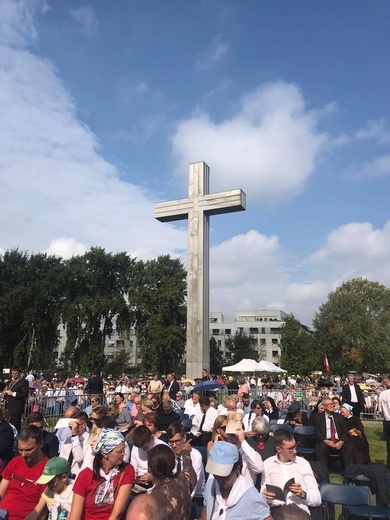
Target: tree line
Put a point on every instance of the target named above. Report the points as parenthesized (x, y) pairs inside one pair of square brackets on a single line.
[(90, 295)]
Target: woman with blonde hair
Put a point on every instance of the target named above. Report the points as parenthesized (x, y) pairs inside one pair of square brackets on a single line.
[(218, 432)]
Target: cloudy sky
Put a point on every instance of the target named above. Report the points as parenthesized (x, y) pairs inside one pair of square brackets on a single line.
[(104, 104)]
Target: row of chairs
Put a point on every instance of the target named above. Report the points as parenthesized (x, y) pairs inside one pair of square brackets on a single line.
[(355, 501)]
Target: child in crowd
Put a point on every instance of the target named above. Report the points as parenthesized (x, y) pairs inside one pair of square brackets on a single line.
[(57, 497)]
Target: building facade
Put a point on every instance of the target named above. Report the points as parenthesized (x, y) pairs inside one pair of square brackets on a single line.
[(264, 325)]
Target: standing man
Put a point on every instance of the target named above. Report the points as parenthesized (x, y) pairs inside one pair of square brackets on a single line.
[(155, 386), (205, 376), (16, 394), (384, 410), (95, 384), (172, 385), (352, 394), (19, 489)]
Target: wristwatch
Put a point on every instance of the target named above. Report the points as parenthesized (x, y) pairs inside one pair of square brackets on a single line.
[(304, 495)]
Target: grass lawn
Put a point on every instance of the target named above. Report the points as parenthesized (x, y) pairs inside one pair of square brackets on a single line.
[(377, 453)]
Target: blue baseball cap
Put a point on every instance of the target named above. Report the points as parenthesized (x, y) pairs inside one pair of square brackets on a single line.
[(223, 456)]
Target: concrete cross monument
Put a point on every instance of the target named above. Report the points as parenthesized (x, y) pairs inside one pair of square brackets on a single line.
[(197, 208)]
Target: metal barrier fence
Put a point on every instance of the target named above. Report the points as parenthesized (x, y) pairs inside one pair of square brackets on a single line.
[(53, 407)]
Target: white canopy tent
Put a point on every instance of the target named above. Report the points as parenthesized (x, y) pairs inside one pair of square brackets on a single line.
[(250, 365), (267, 366), (245, 365)]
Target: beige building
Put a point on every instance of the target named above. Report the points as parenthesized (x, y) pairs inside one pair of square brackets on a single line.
[(264, 326)]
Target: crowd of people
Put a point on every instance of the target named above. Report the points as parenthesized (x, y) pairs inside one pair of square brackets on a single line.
[(165, 450)]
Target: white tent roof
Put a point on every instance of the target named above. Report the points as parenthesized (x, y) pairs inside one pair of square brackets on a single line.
[(250, 365), (267, 366), (245, 365)]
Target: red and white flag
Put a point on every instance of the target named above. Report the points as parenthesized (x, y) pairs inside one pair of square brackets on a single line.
[(326, 363)]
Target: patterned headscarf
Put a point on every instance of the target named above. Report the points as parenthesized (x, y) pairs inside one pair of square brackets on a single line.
[(108, 440)]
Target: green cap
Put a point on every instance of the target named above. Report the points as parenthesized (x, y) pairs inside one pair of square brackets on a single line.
[(55, 466)]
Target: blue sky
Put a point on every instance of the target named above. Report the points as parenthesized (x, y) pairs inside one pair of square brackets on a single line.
[(104, 104)]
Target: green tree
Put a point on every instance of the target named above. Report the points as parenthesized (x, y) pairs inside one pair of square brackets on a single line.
[(217, 359), (96, 299), (158, 309), (31, 288), (353, 327), (242, 346), (297, 353)]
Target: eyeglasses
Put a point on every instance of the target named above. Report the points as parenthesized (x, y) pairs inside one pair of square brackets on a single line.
[(222, 428), (174, 442), (291, 449)]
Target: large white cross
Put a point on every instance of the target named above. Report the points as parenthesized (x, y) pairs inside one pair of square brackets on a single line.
[(197, 208)]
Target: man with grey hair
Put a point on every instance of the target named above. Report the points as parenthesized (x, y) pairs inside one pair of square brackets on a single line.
[(167, 416)]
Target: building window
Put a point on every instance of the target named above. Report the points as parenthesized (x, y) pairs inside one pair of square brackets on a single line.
[(228, 331), (215, 332), (275, 331), (263, 353), (275, 354), (263, 342), (228, 355), (254, 330), (274, 341), (263, 330), (214, 320), (219, 343)]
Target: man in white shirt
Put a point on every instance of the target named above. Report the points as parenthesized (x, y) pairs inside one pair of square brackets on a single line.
[(203, 423), (144, 441), (384, 410), (177, 439), (285, 465), (75, 446), (191, 406)]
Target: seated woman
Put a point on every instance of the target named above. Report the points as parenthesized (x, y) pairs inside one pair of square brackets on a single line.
[(172, 491), (152, 422), (295, 416), (218, 432), (257, 410), (123, 419), (229, 494), (357, 437), (103, 492)]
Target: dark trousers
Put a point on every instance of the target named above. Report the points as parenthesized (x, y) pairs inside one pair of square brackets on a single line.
[(323, 451), (16, 420), (202, 440)]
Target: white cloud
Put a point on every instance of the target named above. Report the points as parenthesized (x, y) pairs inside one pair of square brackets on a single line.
[(213, 55), (248, 271), (377, 129), (86, 17), (53, 181), (17, 21), (66, 247), (378, 167), (269, 148)]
